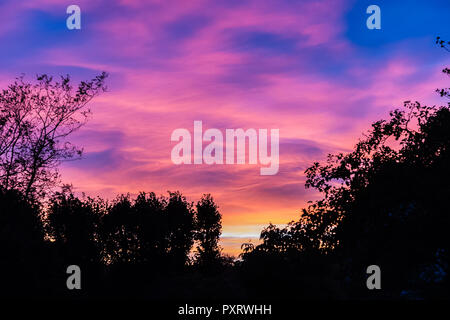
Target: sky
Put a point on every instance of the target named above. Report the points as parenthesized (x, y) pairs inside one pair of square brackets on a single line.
[(311, 69)]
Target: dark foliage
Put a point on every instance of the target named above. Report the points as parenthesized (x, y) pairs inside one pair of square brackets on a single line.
[(208, 231), (385, 203), (35, 121)]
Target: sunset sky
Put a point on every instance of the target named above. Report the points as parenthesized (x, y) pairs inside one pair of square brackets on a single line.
[(311, 69)]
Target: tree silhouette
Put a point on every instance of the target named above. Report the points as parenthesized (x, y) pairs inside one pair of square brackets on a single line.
[(148, 230), (180, 216), (445, 92), (117, 232), (35, 121), (24, 254), (73, 226), (208, 231), (384, 203), (153, 228)]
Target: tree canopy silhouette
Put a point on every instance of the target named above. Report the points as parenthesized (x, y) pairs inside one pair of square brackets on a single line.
[(384, 203), (208, 231), (35, 122)]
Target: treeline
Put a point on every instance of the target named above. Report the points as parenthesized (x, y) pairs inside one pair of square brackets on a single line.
[(384, 204), (160, 231), (142, 239), (120, 246)]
